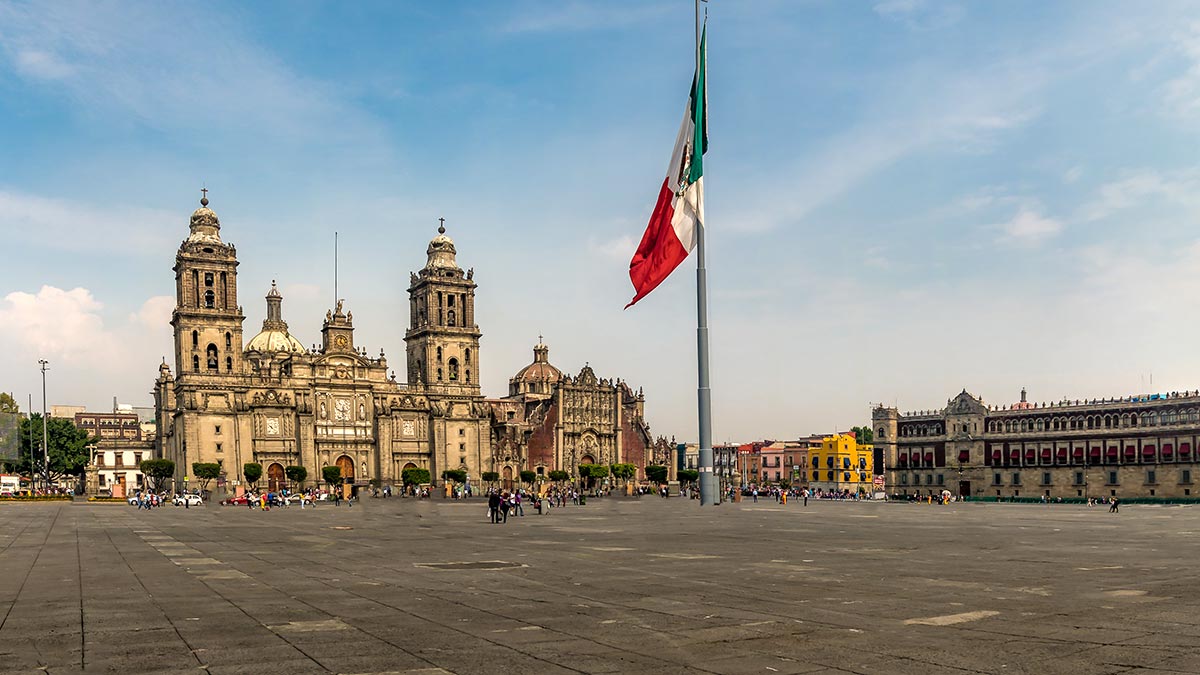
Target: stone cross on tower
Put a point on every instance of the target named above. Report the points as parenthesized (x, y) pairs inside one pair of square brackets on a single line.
[(441, 226)]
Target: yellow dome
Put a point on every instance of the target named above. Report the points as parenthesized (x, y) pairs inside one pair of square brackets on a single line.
[(271, 341)]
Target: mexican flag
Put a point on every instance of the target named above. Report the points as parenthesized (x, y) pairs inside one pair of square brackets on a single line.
[(671, 234)]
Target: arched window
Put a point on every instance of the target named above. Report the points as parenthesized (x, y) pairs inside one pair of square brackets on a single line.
[(211, 354), (453, 370), (467, 356), (468, 374), (195, 339), (450, 317), (229, 364), (209, 299), (439, 354), (228, 341), (439, 375), (195, 364)]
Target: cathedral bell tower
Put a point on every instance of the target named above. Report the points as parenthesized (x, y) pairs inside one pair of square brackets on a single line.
[(442, 339), (207, 319)]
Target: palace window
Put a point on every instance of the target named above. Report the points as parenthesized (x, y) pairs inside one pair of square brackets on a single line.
[(1185, 476), (941, 479), (1045, 478), (1150, 477), (1016, 479), (1112, 477), (904, 479)]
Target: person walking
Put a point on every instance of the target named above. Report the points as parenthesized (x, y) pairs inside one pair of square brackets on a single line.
[(494, 507), (1116, 505), (520, 509)]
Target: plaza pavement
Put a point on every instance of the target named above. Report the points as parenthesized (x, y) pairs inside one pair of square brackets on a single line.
[(622, 585)]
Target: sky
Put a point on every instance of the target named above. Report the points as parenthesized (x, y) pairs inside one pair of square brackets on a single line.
[(905, 198)]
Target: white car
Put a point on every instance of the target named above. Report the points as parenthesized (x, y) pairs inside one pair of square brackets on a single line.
[(188, 500), (133, 500)]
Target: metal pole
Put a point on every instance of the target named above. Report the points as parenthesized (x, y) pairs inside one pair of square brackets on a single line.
[(703, 390), (45, 431)]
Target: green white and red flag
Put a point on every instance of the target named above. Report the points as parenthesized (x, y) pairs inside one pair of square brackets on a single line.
[(671, 233)]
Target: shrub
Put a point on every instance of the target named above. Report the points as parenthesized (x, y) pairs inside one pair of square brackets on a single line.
[(688, 475), (656, 473), (414, 475), (490, 476), (456, 475), (528, 476), (559, 475)]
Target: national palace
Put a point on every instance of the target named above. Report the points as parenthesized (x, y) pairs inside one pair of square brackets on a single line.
[(1133, 446), (272, 401)]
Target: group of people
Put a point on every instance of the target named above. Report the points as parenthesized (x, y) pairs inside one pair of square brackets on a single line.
[(502, 502)]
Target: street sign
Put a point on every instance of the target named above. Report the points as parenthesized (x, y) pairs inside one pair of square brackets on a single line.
[(878, 481)]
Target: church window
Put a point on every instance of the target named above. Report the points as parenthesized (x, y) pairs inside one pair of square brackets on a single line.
[(195, 339), (208, 279), (468, 374), (439, 375), (195, 364), (449, 300), (450, 316), (228, 341), (467, 356), (229, 364), (209, 299), (211, 353), (439, 354), (453, 370)]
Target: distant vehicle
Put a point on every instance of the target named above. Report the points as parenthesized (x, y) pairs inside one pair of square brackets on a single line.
[(188, 500), (133, 500), (235, 501)]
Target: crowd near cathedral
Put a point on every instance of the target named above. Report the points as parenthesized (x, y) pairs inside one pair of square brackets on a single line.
[(270, 400)]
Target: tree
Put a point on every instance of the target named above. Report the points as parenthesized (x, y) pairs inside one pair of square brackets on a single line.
[(69, 447), (414, 475), (332, 475), (624, 471), (8, 404), (863, 435), (591, 472), (456, 475), (205, 472), (490, 476), (159, 471), (528, 477), (559, 475), (688, 475), (295, 474), (656, 473), (252, 471)]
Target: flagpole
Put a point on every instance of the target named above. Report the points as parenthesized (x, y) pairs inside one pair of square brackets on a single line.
[(703, 391)]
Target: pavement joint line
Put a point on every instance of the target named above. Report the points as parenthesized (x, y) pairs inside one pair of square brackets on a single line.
[(29, 571)]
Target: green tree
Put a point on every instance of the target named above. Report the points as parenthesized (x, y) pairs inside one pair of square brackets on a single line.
[(528, 477), (252, 472), (69, 447), (159, 471), (332, 476), (558, 475), (205, 472), (296, 474), (863, 435), (490, 476), (8, 404), (414, 475), (657, 474), (456, 475), (688, 475), (592, 472), (624, 471)]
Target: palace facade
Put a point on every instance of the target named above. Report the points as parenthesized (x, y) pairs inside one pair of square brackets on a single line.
[(274, 402), (1135, 446)]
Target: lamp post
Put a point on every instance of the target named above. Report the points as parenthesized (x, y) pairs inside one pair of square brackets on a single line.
[(45, 431)]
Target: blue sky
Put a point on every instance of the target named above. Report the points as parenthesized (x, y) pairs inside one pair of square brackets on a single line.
[(905, 197)]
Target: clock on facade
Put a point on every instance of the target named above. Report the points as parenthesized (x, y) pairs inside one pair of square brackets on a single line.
[(341, 410), (341, 342), (273, 425)]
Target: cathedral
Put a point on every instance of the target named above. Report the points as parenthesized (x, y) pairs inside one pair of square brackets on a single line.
[(274, 402)]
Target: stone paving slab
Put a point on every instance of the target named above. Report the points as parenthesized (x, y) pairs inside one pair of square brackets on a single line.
[(619, 586)]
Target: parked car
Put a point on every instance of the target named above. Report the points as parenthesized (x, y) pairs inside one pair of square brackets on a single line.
[(187, 500), (133, 500)]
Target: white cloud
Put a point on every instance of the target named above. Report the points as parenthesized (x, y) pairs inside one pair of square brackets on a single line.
[(41, 64), (56, 324), (79, 226), (920, 14), (1073, 174), (1137, 187), (1030, 227), (1182, 93), (619, 249), (155, 313)]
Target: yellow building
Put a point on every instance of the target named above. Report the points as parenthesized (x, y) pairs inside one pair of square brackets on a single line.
[(841, 463)]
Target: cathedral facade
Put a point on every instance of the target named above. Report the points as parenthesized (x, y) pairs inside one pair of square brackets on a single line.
[(274, 402)]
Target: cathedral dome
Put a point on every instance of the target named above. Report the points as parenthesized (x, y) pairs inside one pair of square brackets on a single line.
[(538, 376), (271, 341), (205, 225)]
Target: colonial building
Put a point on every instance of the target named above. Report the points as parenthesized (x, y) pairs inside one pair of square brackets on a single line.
[(1130, 447), (274, 402), (841, 464), (116, 458)]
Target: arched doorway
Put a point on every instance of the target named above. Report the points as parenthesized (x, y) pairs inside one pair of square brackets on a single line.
[(347, 466), (507, 476), (587, 459), (275, 477)]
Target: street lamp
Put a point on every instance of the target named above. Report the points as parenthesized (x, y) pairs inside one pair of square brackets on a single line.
[(45, 431)]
